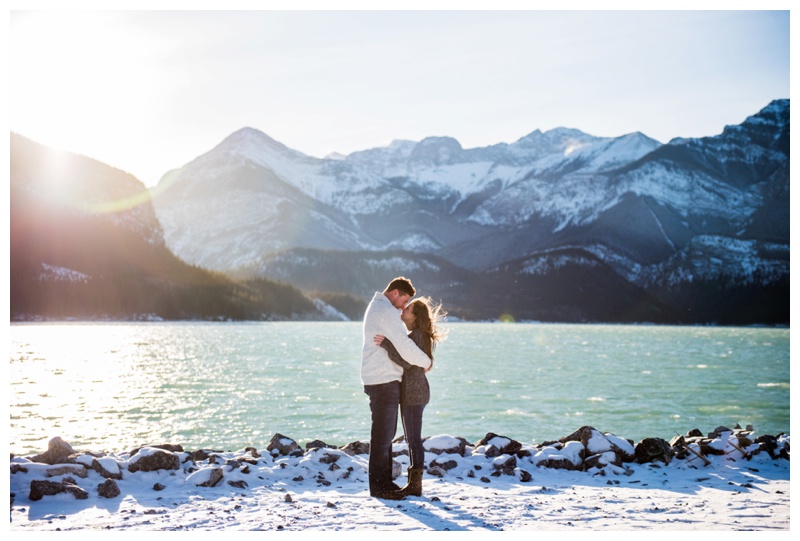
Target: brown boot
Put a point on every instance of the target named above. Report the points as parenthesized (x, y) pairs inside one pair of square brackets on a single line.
[(389, 494), (414, 486)]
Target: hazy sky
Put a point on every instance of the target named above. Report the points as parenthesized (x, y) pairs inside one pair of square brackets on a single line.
[(148, 91)]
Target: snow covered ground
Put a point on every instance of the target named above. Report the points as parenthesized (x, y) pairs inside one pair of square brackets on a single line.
[(285, 488)]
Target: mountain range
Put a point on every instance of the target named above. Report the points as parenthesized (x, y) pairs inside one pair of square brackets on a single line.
[(86, 244), (557, 226)]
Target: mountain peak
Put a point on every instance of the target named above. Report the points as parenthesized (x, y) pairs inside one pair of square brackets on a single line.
[(256, 145), (437, 150), (555, 136), (775, 113), (252, 136)]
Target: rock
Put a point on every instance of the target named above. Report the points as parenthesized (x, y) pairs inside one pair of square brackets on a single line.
[(108, 489), (172, 448), (523, 476), (282, 445), (769, 444), (446, 445), (152, 459), (602, 459), (322, 481), (583, 435), (158, 487), (557, 463), (744, 441), (214, 477), (67, 469), (238, 461), (40, 488), (317, 444), (199, 455), (356, 448), (241, 483), (597, 443), (328, 458), (499, 445), (505, 464), (651, 449), (707, 449), (717, 432), (446, 465), (58, 451), (105, 467)]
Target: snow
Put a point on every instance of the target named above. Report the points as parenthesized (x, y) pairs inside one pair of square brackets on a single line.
[(564, 178), (414, 243), (329, 311), (327, 489), (54, 273)]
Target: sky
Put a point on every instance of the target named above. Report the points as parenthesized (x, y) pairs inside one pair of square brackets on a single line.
[(149, 91)]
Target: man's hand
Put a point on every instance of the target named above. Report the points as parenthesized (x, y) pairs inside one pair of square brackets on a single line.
[(378, 339)]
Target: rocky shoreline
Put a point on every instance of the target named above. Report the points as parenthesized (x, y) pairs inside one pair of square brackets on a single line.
[(62, 469)]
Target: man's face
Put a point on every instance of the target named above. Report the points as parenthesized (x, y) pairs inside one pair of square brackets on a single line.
[(399, 300)]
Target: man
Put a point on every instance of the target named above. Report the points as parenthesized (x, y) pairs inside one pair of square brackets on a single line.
[(381, 379)]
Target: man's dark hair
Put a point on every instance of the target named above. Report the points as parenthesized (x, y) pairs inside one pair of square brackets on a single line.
[(403, 285)]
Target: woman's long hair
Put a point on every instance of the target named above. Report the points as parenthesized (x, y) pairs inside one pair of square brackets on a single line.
[(427, 317)]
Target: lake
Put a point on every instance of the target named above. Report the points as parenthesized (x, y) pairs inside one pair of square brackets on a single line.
[(116, 386)]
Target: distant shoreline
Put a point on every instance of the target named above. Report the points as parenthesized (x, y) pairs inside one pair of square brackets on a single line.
[(34, 320)]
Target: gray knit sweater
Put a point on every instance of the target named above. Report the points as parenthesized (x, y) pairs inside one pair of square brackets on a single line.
[(414, 387), (384, 319)]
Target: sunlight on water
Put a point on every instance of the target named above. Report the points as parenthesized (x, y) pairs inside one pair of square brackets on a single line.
[(232, 385)]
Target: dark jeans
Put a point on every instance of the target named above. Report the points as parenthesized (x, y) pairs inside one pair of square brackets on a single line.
[(412, 426), (384, 401)]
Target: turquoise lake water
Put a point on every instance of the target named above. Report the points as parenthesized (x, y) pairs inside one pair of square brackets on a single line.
[(115, 386)]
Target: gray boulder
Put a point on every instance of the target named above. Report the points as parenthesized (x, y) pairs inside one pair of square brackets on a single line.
[(282, 445), (41, 488), (108, 489), (497, 445), (652, 449), (356, 448), (58, 451), (434, 445), (153, 461)]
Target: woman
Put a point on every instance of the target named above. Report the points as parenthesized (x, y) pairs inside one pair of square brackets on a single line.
[(421, 317)]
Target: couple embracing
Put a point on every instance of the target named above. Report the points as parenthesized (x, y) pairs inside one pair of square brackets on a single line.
[(397, 352)]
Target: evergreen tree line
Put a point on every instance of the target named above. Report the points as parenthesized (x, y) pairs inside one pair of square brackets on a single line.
[(127, 275)]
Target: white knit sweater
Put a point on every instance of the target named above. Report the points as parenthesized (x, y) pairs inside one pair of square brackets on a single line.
[(383, 318)]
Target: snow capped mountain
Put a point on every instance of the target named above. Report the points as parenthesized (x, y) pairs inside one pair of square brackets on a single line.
[(255, 175), (657, 214)]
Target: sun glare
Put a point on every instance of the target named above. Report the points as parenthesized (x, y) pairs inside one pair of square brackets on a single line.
[(74, 82)]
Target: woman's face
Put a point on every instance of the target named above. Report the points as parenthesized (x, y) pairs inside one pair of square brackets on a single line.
[(408, 315)]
